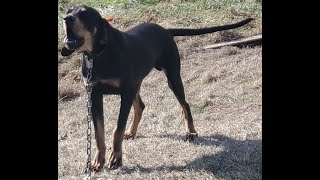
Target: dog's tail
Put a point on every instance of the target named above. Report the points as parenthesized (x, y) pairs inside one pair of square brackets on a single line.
[(194, 32)]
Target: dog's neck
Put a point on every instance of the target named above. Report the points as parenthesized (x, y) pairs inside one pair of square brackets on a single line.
[(104, 41), (99, 46), (98, 50)]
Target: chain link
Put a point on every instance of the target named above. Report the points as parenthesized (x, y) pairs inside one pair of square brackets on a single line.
[(89, 85)]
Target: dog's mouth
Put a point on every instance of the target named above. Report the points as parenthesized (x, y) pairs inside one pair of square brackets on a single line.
[(72, 41)]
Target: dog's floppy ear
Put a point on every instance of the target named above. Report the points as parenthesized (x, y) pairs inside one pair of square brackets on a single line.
[(104, 34), (66, 52)]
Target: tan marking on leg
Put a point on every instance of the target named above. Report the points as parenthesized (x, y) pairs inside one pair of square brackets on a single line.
[(191, 132), (99, 158), (132, 131), (115, 157), (99, 135)]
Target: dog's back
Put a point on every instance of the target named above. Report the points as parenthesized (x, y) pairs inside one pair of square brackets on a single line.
[(149, 43)]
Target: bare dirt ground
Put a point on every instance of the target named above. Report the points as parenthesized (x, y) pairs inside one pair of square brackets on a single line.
[(224, 89)]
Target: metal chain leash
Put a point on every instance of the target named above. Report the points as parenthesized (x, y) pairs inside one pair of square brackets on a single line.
[(88, 84)]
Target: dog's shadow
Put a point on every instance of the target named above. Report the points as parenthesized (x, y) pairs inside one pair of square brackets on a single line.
[(238, 159)]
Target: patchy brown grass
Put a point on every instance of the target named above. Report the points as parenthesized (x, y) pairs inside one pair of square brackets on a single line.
[(224, 90)]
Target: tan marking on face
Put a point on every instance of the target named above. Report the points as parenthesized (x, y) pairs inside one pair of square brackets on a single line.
[(88, 36)]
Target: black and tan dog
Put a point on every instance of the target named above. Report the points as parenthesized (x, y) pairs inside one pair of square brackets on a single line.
[(121, 60)]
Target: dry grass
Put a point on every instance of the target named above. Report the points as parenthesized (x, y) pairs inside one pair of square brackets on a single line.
[(224, 90)]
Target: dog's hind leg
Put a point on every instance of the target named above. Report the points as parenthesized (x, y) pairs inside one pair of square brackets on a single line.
[(176, 86), (138, 106), (172, 71)]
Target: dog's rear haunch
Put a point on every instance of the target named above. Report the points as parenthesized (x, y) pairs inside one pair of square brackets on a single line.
[(121, 60)]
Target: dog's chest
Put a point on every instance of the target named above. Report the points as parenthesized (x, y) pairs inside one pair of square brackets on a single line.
[(101, 81), (105, 86), (102, 75)]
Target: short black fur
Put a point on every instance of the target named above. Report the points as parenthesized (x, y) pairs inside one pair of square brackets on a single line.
[(121, 60)]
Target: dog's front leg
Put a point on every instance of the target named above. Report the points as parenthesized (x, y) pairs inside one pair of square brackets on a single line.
[(98, 122), (115, 157)]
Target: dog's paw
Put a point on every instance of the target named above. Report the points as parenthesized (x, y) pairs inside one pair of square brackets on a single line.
[(115, 160), (129, 135), (97, 163), (191, 136)]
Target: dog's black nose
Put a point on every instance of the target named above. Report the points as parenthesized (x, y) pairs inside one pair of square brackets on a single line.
[(70, 18)]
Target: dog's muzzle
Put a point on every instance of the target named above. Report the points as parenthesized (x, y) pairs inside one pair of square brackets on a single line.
[(71, 41)]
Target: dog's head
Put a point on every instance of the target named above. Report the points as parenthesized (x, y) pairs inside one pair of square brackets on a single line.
[(81, 24)]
